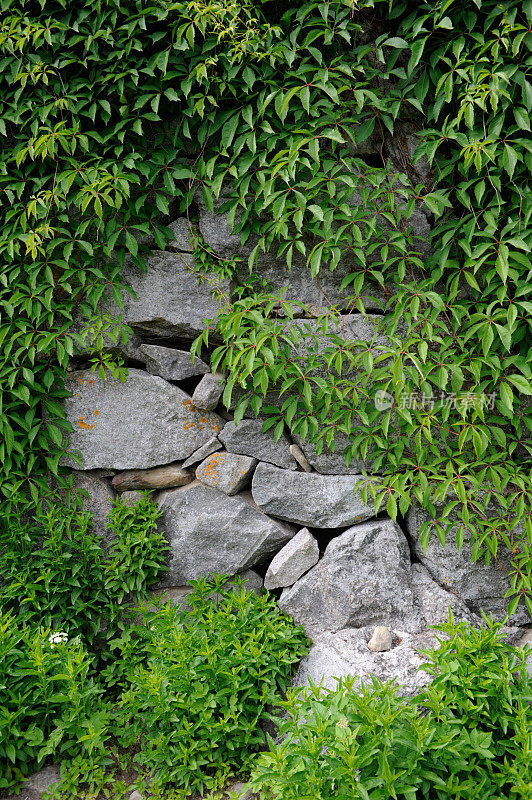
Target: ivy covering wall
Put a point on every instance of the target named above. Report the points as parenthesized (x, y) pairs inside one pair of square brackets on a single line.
[(115, 115)]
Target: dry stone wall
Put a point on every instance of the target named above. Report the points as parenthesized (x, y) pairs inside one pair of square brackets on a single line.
[(236, 501)]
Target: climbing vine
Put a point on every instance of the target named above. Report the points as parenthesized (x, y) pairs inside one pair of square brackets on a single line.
[(118, 116)]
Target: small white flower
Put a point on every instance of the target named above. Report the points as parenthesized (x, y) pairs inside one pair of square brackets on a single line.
[(60, 637)]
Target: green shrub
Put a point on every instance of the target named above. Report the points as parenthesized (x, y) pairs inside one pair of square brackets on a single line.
[(467, 736), (48, 703), (210, 672), (55, 571)]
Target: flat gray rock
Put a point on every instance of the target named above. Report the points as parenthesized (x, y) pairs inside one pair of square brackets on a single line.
[(227, 472), (476, 584), (143, 422), (346, 652), (171, 364), (247, 439), (297, 557), (208, 392), (171, 300), (319, 501), (364, 578), (211, 532)]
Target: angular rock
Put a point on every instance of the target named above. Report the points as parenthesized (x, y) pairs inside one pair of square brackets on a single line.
[(211, 532), (247, 439), (182, 236), (297, 557), (131, 498), (166, 477), (144, 422), (99, 499), (364, 578), (37, 785), (435, 601), (478, 585), (381, 640), (171, 364), (208, 392), (171, 300), (336, 655), (211, 446), (319, 501), (227, 472)]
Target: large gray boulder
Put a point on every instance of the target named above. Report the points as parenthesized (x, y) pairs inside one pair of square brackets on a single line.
[(143, 422), (363, 579), (247, 439), (297, 557), (171, 364), (346, 652), (171, 299), (210, 532), (479, 585), (319, 501)]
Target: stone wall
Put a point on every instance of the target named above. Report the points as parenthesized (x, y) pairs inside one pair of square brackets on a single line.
[(233, 500)]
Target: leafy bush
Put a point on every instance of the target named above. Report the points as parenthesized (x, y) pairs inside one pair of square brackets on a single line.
[(48, 703), (466, 736), (210, 672), (55, 571)]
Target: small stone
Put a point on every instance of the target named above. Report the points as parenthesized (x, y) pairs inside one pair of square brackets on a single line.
[(165, 477), (208, 392), (381, 640), (171, 364), (136, 795), (300, 457), (211, 446), (131, 498), (247, 439), (227, 472), (297, 557)]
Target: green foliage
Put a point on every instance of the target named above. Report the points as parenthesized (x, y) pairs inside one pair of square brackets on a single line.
[(452, 356), (208, 675), (467, 736), (48, 702), (55, 572), (115, 116)]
